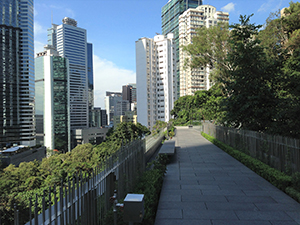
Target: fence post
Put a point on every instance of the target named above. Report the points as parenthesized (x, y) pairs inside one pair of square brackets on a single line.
[(66, 205), (44, 207), (55, 206), (16, 216), (69, 207), (61, 201), (49, 203), (36, 216), (78, 197), (73, 201), (30, 215)]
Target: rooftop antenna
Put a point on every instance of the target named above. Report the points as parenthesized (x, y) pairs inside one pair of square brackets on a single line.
[(51, 17)]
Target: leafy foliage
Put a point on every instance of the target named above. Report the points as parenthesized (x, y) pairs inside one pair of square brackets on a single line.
[(18, 184), (256, 71), (204, 105)]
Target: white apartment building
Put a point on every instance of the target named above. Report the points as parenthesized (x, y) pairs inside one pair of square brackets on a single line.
[(155, 78), (192, 80)]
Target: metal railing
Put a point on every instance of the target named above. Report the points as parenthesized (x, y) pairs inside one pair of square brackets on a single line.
[(85, 197)]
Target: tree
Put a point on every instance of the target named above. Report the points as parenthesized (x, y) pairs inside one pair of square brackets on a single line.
[(204, 105), (251, 98), (128, 132), (209, 48), (280, 40)]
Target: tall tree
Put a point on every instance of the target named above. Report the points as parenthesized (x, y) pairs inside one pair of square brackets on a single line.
[(251, 98), (209, 48)]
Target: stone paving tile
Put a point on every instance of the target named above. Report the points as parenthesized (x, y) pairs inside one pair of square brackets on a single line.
[(262, 192), (169, 214), (171, 187), (223, 192), (170, 198), (209, 214), (200, 186), (295, 215), (204, 198), (246, 188), (283, 222), (252, 199), (239, 222), (265, 215), (182, 205), (278, 206), (180, 222), (231, 206), (183, 192)]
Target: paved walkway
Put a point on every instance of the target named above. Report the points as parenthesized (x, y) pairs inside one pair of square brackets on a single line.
[(204, 185)]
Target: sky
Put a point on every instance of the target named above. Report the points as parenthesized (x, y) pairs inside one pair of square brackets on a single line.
[(113, 27)]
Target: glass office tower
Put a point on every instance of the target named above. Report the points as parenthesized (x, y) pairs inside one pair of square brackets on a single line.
[(52, 100), (17, 125), (170, 23), (90, 83), (71, 42)]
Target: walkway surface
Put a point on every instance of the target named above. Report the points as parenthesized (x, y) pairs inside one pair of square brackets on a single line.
[(204, 185)]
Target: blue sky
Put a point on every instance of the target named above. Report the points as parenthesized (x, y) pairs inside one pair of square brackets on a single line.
[(113, 26)]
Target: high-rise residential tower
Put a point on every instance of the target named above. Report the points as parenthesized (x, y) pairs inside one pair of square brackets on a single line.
[(71, 42), (156, 78), (192, 80), (170, 13), (17, 125), (52, 100)]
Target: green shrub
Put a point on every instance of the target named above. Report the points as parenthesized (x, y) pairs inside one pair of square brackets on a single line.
[(149, 184), (296, 181)]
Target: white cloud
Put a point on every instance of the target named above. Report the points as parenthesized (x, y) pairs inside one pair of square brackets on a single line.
[(270, 5), (109, 77), (70, 13), (39, 29), (38, 46), (228, 8)]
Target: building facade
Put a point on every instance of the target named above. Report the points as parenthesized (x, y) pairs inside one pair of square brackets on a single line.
[(128, 117), (52, 100), (156, 78), (17, 124), (100, 117), (170, 23), (192, 80), (71, 42), (111, 101), (90, 71), (93, 135)]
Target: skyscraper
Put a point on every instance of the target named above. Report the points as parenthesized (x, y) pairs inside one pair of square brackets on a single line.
[(90, 71), (71, 42), (17, 125), (52, 100), (111, 101), (156, 78), (170, 23), (192, 80)]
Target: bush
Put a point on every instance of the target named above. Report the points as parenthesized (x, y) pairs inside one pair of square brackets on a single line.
[(149, 184)]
